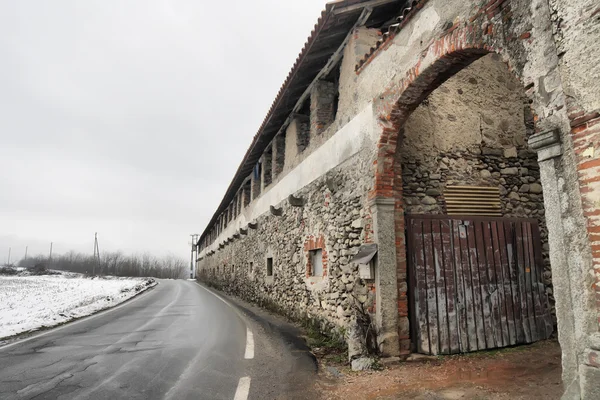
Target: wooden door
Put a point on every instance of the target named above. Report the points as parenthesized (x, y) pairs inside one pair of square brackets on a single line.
[(475, 283)]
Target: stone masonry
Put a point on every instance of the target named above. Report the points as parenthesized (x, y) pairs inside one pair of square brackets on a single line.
[(427, 94)]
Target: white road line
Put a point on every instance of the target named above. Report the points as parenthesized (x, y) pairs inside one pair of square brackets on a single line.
[(249, 354), (219, 297), (243, 389), (77, 321), (249, 345)]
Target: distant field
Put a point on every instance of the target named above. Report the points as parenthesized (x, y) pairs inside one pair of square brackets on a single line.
[(29, 303)]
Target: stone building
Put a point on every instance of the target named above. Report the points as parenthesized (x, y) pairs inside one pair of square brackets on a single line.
[(428, 180)]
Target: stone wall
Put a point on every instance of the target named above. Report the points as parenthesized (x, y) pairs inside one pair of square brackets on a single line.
[(331, 218), (549, 47), (472, 131)]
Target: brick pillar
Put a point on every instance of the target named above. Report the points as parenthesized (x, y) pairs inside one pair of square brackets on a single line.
[(382, 210), (322, 106)]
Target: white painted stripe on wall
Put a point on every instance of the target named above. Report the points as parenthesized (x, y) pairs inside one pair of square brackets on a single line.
[(249, 355), (344, 144), (243, 389)]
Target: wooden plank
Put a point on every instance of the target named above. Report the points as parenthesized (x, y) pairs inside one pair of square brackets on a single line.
[(459, 205), (462, 313), (420, 289), (500, 284), (451, 286), (476, 283), (474, 189), (412, 284), (441, 288), (536, 294), (486, 259), (484, 214), (471, 319), (539, 262), (510, 230), (522, 282), (476, 205), (505, 236), (431, 285), (529, 279), (476, 288), (471, 200)]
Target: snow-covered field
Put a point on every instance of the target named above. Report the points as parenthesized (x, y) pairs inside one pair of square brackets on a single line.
[(28, 303)]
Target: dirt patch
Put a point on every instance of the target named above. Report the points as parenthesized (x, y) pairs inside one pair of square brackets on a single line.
[(526, 372)]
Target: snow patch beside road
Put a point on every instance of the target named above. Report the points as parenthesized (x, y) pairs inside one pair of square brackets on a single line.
[(28, 303)]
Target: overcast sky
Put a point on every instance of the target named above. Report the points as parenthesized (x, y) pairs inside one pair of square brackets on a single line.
[(129, 117)]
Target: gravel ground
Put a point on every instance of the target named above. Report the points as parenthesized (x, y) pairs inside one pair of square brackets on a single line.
[(526, 372)]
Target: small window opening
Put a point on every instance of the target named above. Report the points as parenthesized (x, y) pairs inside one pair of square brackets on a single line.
[(256, 180), (247, 193), (303, 126), (268, 167), (270, 266), (251, 267), (336, 103), (334, 77), (316, 262), (278, 154)]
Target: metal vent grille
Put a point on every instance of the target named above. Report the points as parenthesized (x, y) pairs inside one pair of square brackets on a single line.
[(473, 200)]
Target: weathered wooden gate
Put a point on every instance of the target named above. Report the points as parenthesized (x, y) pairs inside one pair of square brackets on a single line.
[(475, 283)]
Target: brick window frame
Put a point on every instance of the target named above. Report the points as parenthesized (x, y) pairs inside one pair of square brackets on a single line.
[(315, 243)]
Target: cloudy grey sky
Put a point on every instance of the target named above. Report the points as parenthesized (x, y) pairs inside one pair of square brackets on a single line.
[(130, 117)]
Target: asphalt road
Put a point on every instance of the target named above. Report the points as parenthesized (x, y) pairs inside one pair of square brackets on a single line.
[(178, 341)]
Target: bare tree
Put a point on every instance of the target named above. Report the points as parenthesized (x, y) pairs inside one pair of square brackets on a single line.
[(117, 264)]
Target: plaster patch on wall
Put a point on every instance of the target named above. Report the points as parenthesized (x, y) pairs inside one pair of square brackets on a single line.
[(589, 152), (426, 21)]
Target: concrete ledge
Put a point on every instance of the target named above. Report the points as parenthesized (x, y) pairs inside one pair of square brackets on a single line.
[(546, 144)]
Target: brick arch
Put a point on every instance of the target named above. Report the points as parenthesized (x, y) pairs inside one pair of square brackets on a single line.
[(397, 104), (442, 60)]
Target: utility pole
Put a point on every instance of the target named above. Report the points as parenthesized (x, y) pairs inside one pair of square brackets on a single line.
[(26, 248), (9, 249), (50, 258), (96, 254), (195, 237)]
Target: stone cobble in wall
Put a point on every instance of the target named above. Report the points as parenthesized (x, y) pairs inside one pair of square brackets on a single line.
[(514, 171), (332, 218)]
